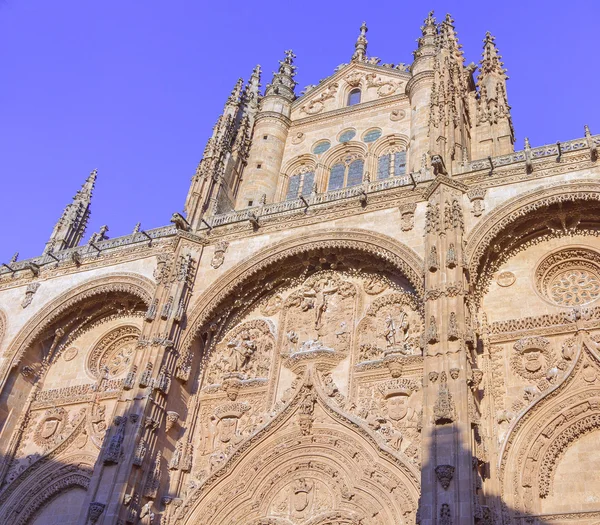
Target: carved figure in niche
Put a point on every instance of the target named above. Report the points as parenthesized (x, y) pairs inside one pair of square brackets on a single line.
[(272, 306), (397, 333), (245, 352), (392, 325), (318, 315), (375, 284), (240, 352)]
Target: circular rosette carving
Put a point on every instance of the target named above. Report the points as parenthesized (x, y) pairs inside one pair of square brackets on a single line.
[(392, 326), (532, 357), (114, 352), (245, 352), (318, 319), (569, 277)]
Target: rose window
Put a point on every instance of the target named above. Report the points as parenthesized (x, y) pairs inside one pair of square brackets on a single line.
[(570, 277)]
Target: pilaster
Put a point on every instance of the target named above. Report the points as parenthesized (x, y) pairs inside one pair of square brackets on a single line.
[(129, 478), (447, 472)]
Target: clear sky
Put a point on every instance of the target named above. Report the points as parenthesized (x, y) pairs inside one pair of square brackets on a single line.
[(133, 87)]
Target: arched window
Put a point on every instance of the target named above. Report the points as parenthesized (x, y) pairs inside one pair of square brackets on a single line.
[(300, 184), (391, 165), (354, 97), (348, 172)]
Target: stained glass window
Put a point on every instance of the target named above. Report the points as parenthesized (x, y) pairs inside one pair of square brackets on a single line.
[(355, 173), (321, 147), (307, 183), (354, 97), (399, 163), (372, 135), (301, 184), (347, 135), (336, 177), (383, 168), (396, 161), (293, 187)]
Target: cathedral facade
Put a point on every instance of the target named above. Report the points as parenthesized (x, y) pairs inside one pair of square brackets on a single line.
[(373, 311)]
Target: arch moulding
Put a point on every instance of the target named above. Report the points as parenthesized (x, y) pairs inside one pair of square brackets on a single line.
[(130, 283), (501, 217), (408, 262)]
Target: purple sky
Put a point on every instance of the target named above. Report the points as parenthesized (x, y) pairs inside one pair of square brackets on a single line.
[(133, 88)]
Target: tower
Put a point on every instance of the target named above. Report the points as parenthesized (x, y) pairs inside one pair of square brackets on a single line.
[(218, 173), (450, 119), (259, 182), (70, 228)]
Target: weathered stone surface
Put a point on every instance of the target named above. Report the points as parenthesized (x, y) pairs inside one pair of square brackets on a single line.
[(374, 311)]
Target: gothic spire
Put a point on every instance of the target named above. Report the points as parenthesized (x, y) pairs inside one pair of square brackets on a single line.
[(448, 38), (283, 82), (429, 32), (491, 61), (493, 103), (360, 52), (70, 228), (233, 100), (251, 94)]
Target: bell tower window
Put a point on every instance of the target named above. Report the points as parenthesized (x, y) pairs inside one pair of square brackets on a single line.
[(354, 97)]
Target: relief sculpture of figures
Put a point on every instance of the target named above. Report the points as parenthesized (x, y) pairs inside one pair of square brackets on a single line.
[(373, 307)]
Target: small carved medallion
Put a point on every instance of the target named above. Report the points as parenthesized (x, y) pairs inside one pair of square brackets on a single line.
[(505, 279), (397, 114), (70, 354)]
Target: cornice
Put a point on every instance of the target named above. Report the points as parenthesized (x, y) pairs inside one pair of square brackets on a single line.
[(392, 100)]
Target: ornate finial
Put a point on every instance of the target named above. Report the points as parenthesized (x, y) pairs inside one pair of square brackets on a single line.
[(283, 82), (360, 52), (70, 228), (234, 97), (289, 56), (491, 61), (14, 258), (586, 130), (527, 145), (137, 227)]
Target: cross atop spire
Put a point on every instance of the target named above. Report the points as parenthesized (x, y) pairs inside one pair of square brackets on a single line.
[(70, 228), (360, 52)]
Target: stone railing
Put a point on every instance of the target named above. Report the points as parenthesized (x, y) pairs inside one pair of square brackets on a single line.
[(90, 250), (317, 199), (551, 150), (293, 206)]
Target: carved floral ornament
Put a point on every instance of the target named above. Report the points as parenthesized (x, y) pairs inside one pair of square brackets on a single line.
[(569, 277), (114, 353)]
